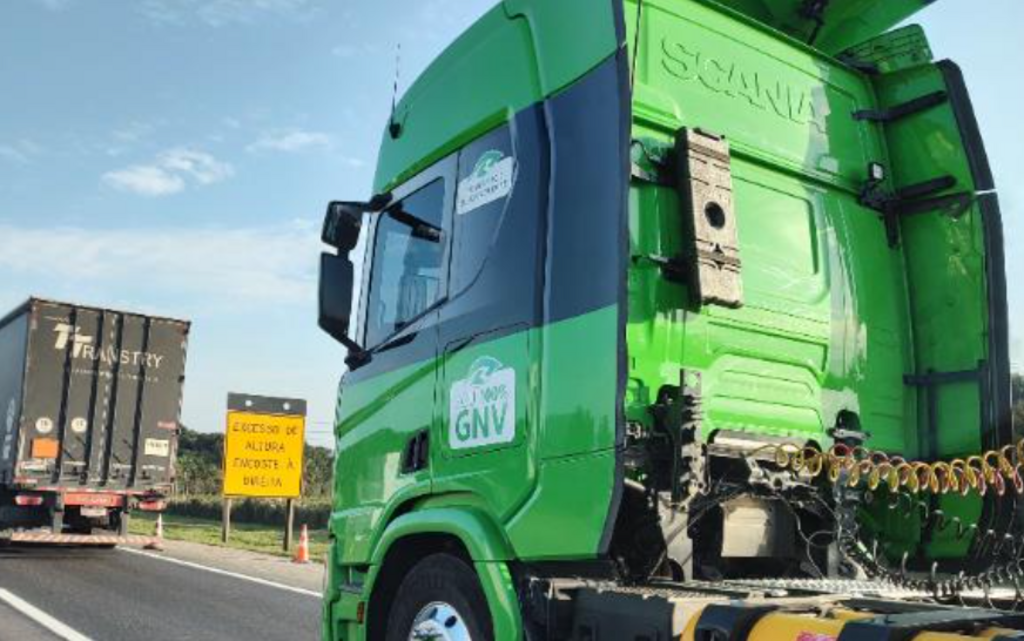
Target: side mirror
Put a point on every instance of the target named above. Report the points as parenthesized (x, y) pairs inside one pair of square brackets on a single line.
[(337, 278), (341, 225), (344, 218)]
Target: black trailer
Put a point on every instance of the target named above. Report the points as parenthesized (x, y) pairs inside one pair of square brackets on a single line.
[(90, 403)]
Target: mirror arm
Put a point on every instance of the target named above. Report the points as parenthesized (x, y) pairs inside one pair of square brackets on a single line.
[(380, 201), (357, 355)]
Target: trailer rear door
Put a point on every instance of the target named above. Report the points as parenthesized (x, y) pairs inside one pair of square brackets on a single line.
[(103, 398)]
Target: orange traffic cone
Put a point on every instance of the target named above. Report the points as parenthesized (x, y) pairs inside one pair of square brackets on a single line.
[(157, 542), (302, 552)]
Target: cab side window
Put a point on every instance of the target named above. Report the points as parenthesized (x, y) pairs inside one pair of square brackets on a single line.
[(408, 250)]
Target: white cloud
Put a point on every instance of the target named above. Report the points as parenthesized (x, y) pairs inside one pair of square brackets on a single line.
[(161, 12), (170, 174), (269, 264), (217, 13), (53, 5), (12, 153), (134, 132), (20, 151), (145, 180), (200, 165), (220, 13), (291, 141)]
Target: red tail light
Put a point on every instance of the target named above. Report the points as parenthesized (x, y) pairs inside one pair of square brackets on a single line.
[(25, 500)]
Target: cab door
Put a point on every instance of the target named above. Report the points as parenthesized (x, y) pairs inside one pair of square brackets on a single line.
[(486, 400), (387, 399)]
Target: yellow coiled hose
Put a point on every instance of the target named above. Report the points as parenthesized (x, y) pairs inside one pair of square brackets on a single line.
[(996, 470)]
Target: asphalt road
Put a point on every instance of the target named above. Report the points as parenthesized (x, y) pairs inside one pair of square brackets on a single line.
[(116, 595)]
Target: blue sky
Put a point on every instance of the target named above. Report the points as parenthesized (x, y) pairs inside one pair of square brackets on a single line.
[(175, 156)]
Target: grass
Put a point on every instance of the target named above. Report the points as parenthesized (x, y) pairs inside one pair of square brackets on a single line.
[(244, 536)]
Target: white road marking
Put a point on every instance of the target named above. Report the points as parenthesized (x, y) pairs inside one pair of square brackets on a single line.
[(42, 618), (235, 575)]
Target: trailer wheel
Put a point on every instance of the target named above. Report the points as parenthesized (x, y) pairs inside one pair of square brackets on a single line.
[(440, 599)]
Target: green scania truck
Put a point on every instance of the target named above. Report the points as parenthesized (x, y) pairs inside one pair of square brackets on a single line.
[(674, 319)]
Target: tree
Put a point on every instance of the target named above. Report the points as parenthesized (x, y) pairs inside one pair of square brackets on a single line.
[(318, 472), (199, 462)]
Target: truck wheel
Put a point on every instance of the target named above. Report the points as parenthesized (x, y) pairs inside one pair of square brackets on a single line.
[(440, 599)]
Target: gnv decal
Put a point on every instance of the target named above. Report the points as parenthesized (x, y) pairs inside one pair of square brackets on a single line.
[(482, 406), (491, 180)]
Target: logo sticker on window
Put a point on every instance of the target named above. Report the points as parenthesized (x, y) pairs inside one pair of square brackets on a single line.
[(491, 180), (482, 406)]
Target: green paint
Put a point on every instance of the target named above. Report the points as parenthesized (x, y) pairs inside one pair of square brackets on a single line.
[(832, 317), (816, 268), (846, 22), (519, 53), (498, 499), (565, 517), (474, 526), (500, 590), (944, 263)]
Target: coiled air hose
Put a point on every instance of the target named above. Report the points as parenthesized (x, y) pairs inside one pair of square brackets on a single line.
[(996, 470), (856, 468)]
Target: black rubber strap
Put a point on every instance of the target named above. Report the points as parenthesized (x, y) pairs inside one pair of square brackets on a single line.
[(903, 110)]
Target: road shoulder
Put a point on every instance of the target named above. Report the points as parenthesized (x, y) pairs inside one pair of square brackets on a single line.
[(253, 564)]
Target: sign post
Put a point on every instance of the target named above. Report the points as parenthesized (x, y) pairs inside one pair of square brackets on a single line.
[(263, 452), (289, 527), (225, 521)]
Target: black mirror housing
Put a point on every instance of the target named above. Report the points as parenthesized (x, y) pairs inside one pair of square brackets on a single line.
[(345, 218), (341, 225), (337, 279)]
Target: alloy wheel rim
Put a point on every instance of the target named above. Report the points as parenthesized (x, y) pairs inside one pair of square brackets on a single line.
[(439, 621)]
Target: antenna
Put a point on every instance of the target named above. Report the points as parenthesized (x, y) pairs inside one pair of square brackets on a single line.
[(394, 127)]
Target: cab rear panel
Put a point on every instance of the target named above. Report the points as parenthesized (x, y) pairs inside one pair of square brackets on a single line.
[(872, 302)]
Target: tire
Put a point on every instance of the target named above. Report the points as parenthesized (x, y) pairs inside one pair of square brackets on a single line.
[(440, 591)]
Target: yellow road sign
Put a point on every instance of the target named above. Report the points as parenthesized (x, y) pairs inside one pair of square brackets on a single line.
[(263, 455)]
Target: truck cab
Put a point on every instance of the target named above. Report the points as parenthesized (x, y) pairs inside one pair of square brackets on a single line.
[(653, 293)]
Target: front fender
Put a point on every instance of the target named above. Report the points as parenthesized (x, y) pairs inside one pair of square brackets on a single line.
[(483, 539), (488, 548)]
